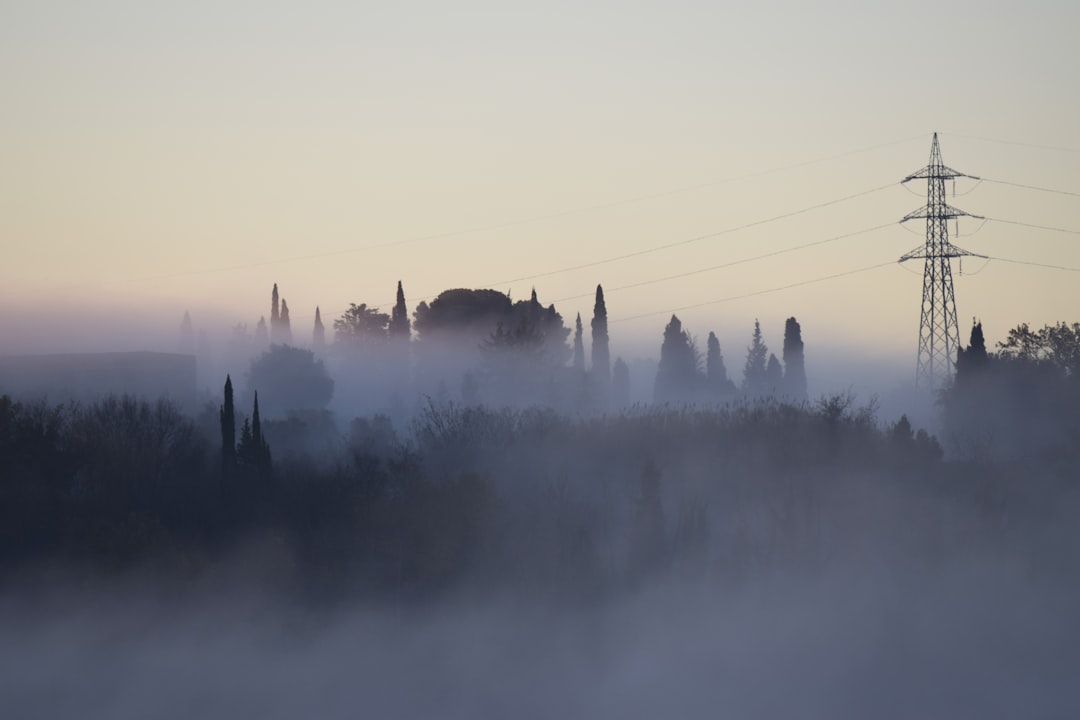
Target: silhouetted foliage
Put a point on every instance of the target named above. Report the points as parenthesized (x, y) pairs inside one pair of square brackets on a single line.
[(318, 334), (774, 374), (291, 379), (1020, 402), (228, 429), (361, 327), (601, 354), (399, 326), (677, 376), (262, 336), (755, 377), (284, 325), (794, 384), (579, 347), (717, 382)]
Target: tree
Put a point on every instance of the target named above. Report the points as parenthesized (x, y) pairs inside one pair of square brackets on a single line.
[(620, 383), (318, 335), (275, 315), (399, 326), (715, 371), (754, 372), (601, 354), (361, 327), (228, 429), (677, 376), (774, 374), (284, 324), (292, 378), (579, 347), (253, 450), (794, 383)]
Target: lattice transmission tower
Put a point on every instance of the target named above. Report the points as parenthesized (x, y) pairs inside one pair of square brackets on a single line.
[(939, 337)]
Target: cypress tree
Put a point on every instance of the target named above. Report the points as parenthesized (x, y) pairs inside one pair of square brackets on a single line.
[(318, 336), (601, 354), (715, 371), (774, 374), (794, 385), (228, 429), (286, 328), (399, 327), (579, 347), (275, 315)]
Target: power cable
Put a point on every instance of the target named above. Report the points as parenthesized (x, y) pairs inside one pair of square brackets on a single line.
[(731, 263), (731, 298)]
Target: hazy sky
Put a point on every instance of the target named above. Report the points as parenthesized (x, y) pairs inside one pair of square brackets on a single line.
[(163, 156)]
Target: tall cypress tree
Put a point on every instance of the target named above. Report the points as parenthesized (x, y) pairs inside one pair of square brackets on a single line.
[(715, 370), (579, 347), (774, 374), (186, 344), (794, 384), (399, 327), (275, 315), (601, 354), (286, 327), (318, 335), (228, 429), (262, 336)]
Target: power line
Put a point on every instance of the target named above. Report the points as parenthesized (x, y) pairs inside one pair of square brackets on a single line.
[(668, 246), (1035, 264), (1036, 227), (731, 263), (531, 219), (1031, 187), (731, 298), (1014, 142)]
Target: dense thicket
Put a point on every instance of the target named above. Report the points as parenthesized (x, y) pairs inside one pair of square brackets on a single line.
[(527, 499)]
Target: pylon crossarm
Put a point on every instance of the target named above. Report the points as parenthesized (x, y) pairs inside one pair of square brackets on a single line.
[(944, 212), (941, 172)]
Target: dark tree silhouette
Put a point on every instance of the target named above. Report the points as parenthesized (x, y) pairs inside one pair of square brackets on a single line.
[(253, 450), (461, 313), (318, 335), (292, 378), (285, 335), (579, 347), (620, 383), (774, 374), (361, 327), (794, 384), (399, 326), (228, 429), (755, 378), (601, 353), (715, 371), (677, 376), (275, 315)]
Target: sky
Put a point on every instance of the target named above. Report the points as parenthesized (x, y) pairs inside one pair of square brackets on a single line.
[(162, 157)]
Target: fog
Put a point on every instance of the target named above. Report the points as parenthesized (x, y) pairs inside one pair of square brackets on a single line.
[(476, 513)]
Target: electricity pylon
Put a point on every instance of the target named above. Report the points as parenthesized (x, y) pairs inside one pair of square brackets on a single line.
[(939, 337)]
